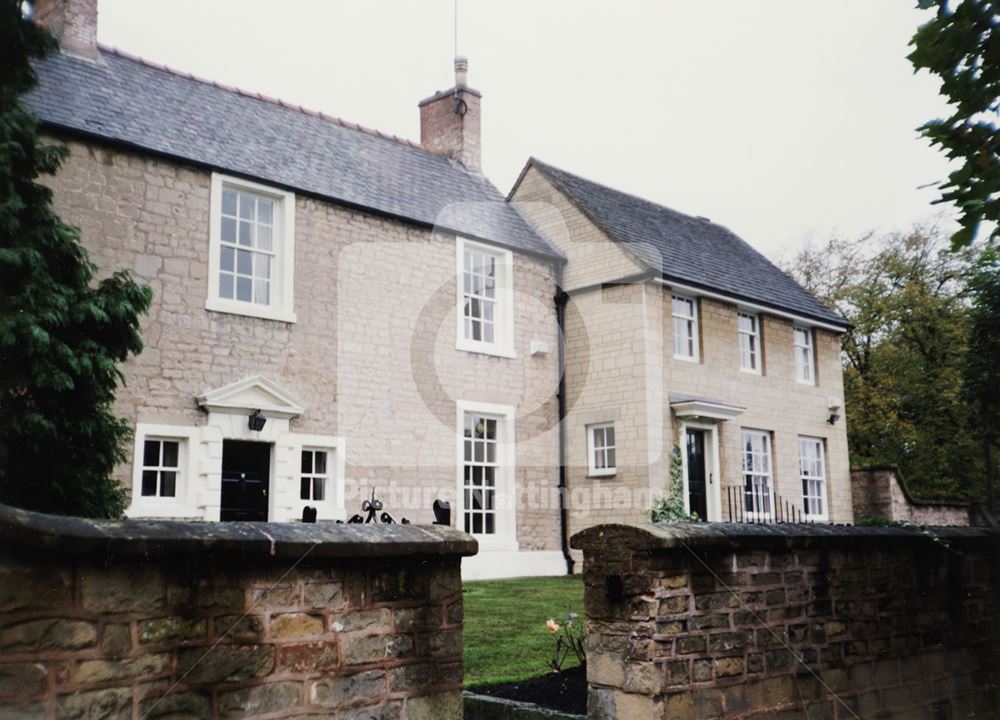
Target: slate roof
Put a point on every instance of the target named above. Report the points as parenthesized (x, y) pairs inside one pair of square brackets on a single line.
[(686, 249), (125, 100)]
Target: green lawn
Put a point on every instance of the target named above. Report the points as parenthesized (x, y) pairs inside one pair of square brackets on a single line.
[(505, 635)]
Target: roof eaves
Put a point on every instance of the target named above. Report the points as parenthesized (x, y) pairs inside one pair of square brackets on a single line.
[(134, 147), (840, 322)]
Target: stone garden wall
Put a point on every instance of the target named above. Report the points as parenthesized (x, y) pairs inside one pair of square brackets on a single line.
[(791, 621), (879, 493), (123, 620)]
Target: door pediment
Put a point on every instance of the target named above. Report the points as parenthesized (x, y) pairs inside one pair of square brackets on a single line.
[(697, 408), (252, 393)]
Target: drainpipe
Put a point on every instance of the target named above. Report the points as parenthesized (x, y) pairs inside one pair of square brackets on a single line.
[(561, 299)]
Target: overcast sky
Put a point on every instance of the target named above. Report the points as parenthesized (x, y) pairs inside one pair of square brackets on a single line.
[(781, 120)]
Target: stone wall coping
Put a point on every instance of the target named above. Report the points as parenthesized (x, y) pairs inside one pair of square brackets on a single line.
[(650, 536), (38, 532)]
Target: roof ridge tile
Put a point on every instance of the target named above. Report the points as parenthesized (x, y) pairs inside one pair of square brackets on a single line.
[(261, 97)]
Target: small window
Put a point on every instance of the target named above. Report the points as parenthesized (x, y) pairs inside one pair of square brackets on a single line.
[(251, 253), (812, 471), (485, 302), (601, 449), (757, 474), (749, 336), (685, 323), (160, 468), (804, 358), (314, 476)]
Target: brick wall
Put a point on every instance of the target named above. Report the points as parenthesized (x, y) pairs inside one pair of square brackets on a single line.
[(185, 620), (880, 493), (444, 131), (791, 621)]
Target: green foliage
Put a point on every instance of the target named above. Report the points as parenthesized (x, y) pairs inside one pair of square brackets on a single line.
[(906, 298), (982, 362), (961, 45), (61, 337), (670, 507)]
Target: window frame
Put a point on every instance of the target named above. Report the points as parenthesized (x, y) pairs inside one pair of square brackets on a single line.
[(313, 476), (811, 348), (282, 290), (692, 323), (505, 503), (332, 507), (768, 446), (503, 316), (757, 352), (823, 516), (592, 469), (160, 467), (177, 506)]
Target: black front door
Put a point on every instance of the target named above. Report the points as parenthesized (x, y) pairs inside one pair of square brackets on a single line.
[(696, 473), (246, 470)]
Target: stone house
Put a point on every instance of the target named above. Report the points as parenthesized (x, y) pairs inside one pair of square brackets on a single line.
[(679, 334), (337, 310)]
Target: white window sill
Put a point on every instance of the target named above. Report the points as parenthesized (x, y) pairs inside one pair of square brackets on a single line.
[(166, 509), (265, 312), (815, 518), (610, 472), (750, 372), (485, 348), (808, 383), (686, 358), (488, 543)]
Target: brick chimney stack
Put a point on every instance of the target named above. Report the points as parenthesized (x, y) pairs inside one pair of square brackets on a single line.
[(73, 22), (450, 121)]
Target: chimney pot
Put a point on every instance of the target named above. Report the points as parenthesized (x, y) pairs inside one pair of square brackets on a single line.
[(461, 71)]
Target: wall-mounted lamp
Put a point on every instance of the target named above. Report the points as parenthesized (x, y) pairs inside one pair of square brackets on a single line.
[(833, 405), (256, 421)]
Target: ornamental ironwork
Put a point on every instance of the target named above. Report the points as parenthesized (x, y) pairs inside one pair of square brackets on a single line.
[(372, 508)]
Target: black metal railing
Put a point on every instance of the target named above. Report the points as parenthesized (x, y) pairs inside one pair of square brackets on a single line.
[(755, 505)]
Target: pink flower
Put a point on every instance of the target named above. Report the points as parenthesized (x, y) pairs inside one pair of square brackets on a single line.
[(552, 625)]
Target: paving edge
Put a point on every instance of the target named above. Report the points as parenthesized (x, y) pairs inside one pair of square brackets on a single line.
[(486, 707)]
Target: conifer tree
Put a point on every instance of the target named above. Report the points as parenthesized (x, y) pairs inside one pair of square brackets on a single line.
[(63, 333)]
